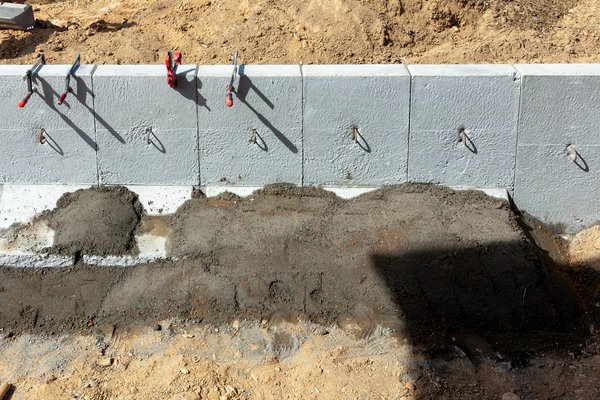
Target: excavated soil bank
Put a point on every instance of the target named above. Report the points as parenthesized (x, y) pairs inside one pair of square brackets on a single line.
[(98, 221), (427, 261), (310, 31)]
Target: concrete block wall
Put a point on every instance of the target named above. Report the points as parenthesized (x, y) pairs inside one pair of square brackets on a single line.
[(146, 131), (530, 128), (69, 154)]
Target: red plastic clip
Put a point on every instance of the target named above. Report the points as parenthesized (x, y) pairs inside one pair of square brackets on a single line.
[(74, 66), (230, 88), (41, 60), (172, 60)]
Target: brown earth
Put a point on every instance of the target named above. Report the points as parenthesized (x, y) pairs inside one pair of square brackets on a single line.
[(415, 292), (310, 31)]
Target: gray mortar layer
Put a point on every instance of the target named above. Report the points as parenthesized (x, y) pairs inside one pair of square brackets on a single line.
[(307, 254), (518, 122), (100, 221)]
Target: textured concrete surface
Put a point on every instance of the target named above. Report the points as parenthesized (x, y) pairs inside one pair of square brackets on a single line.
[(268, 99), (555, 189), (161, 200), (374, 99), (155, 130), (560, 106), (483, 101), (36, 261), (69, 154), (124, 125), (20, 203)]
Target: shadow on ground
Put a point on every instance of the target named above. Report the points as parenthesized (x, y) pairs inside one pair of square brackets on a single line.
[(489, 290), (486, 307)]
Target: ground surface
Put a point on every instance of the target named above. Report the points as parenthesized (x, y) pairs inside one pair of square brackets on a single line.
[(310, 31), (414, 292)]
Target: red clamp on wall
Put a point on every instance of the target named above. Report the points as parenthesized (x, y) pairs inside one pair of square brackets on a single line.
[(172, 60), (230, 88), (68, 89), (41, 60)]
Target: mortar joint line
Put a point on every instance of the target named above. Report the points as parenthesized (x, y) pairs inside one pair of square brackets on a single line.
[(410, 105), (519, 111), (96, 149), (197, 97), (302, 126)]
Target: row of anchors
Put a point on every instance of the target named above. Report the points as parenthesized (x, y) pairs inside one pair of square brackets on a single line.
[(357, 138), (570, 150), (255, 139)]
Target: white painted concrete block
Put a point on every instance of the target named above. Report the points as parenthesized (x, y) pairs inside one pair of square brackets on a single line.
[(480, 101), (242, 191), (372, 98), (348, 193), (268, 100), (69, 154), (560, 106), (117, 261), (161, 200), (20, 203), (36, 261), (497, 193), (35, 238), (555, 189), (147, 131)]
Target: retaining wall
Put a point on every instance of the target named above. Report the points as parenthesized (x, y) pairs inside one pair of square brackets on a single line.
[(533, 129)]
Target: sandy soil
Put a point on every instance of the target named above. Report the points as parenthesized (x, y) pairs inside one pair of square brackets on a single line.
[(300, 360), (294, 293), (311, 31)]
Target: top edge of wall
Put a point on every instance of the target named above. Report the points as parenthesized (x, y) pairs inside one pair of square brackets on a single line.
[(142, 70), (250, 70), (47, 70), (355, 70), (350, 70), (461, 69), (558, 69)]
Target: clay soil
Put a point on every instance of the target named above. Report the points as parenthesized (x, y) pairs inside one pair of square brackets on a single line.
[(411, 292), (310, 31)]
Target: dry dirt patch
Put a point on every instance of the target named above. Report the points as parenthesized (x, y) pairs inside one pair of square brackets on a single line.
[(313, 31)]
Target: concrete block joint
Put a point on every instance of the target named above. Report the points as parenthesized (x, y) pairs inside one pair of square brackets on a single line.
[(530, 128)]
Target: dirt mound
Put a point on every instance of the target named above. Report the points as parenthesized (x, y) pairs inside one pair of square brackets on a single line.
[(455, 260), (98, 221), (426, 261), (311, 31)]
